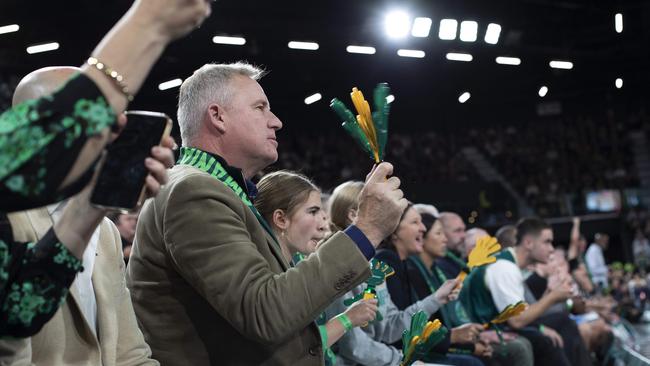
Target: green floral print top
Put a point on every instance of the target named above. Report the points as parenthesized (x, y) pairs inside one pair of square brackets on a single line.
[(40, 140), (34, 281)]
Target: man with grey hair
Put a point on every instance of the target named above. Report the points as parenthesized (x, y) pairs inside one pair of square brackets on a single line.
[(454, 228), (208, 279), (471, 236)]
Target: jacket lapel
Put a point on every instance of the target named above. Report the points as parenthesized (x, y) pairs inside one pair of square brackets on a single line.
[(106, 320)]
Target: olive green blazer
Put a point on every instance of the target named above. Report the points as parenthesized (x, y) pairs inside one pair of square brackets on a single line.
[(210, 286)]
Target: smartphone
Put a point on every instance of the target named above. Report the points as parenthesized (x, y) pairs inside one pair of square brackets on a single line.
[(121, 181)]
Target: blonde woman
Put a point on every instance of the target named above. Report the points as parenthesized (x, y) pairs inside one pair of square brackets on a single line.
[(291, 205), (369, 345)]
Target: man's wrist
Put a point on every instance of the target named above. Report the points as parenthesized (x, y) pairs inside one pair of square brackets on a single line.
[(374, 236), (362, 242)]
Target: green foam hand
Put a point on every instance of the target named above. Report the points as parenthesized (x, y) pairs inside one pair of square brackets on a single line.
[(421, 337)]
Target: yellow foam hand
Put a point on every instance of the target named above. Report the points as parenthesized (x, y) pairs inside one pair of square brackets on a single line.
[(430, 328), (483, 252), (510, 311)]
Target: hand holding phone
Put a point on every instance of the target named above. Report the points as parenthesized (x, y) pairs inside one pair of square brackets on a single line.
[(121, 181)]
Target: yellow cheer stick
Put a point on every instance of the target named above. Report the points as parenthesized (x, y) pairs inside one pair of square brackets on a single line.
[(510, 311), (364, 119)]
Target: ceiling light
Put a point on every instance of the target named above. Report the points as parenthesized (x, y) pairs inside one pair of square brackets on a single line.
[(397, 24), (542, 91), (238, 41), (448, 29), (43, 47), (492, 33), (361, 49), (313, 98), (170, 84), (411, 53), (508, 60), (618, 22), (9, 28), (468, 30), (421, 27), (454, 56), (312, 46), (566, 65)]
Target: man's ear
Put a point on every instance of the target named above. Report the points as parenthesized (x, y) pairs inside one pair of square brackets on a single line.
[(217, 117)]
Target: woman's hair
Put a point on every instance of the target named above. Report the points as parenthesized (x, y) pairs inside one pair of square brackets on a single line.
[(343, 198), (388, 242), (427, 220), (283, 190)]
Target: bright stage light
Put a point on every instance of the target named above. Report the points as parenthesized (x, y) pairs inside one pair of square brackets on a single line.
[(454, 56), (448, 29), (42, 48), (9, 28), (361, 49), (397, 24), (618, 22), (542, 91), (618, 83), (464, 97), (311, 46), (411, 53), (170, 84), (421, 27), (237, 41), (313, 98), (515, 61), (492, 33), (565, 65), (468, 31), (390, 99)]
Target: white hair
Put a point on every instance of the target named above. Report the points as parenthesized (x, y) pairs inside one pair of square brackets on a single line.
[(425, 208), (208, 84)]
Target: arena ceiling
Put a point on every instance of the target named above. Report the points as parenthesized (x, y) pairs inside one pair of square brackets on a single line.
[(426, 89)]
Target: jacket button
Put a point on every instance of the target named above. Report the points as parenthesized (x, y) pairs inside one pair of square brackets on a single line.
[(314, 351)]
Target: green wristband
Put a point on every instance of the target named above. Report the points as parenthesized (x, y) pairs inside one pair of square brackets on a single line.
[(541, 328), (345, 321)]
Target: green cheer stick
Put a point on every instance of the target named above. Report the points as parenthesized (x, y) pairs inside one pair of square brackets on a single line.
[(369, 129), (351, 125), (380, 115)]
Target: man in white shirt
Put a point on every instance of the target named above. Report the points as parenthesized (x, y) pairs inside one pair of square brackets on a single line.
[(488, 290), (595, 260)]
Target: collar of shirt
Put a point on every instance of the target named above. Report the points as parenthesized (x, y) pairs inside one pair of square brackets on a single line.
[(238, 176)]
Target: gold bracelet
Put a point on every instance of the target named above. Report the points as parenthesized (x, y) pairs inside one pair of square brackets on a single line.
[(115, 77)]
